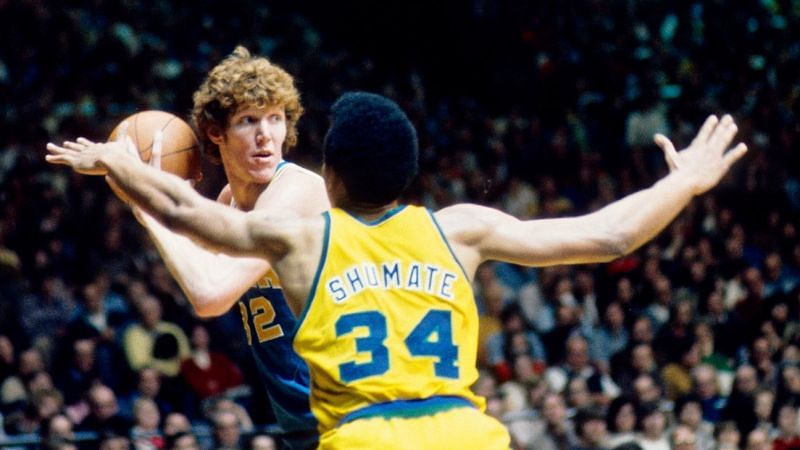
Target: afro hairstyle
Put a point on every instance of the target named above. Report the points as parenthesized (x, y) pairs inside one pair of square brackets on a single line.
[(372, 147)]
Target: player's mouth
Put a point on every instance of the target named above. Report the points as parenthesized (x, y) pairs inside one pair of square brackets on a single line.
[(262, 156)]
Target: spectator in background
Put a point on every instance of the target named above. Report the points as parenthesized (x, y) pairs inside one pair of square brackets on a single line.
[(82, 372), (706, 387), (150, 385), (778, 282), (182, 440), (140, 338), (740, 406), (57, 431), (554, 431), (45, 313), (610, 338), (786, 435), (689, 413), (683, 438), (621, 420), (727, 435), (262, 441), (764, 410), (647, 391), (658, 311), (99, 318), (758, 440), (642, 362), (104, 416), (42, 404), (653, 424), (208, 373), (145, 432), (678, 332), (577, 364), (112, 441), (12, 389), (707, 346), (590, 426), (788, 389), (515, 338), (227, 430), (677, 374), (174, 423)]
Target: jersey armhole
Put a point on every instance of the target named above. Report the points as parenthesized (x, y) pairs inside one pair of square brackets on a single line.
[(447, 243), (315, 283)]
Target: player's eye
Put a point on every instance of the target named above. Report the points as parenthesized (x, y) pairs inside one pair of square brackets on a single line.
[(276, 118)]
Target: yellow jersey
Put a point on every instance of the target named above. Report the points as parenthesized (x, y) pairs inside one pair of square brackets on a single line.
[(391, 316)]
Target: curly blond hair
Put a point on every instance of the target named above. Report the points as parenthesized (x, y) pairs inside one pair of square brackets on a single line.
[(242, 80)]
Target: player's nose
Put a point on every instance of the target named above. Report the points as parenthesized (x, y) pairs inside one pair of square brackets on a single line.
[(262, 131)]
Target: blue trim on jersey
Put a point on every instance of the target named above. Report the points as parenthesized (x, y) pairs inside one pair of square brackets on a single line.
[(313, 291), (408, 408), (284, 375), (447, 243), (386, 216), (281, 165)]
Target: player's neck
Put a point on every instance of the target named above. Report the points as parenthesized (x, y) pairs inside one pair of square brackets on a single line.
[(367, 212), (245, 196)]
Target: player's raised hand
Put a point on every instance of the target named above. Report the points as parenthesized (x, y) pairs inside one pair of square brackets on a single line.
[(84, 156), (707, 159)]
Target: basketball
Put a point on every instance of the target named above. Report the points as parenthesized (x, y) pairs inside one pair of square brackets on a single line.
[(180, 150)]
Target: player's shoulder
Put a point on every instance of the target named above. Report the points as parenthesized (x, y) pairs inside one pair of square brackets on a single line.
[(467, 220), (293, 170), (295, 189), (461, 211)]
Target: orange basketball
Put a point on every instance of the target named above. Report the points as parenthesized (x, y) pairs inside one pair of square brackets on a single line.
[(180, 150)]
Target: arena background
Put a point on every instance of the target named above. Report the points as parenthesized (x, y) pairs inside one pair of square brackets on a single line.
[(540, 108)]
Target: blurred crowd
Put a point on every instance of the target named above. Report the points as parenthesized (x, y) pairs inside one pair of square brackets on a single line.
[(542, 109)]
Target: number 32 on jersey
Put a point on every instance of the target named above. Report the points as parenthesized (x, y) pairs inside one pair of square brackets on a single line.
[(263, 315)]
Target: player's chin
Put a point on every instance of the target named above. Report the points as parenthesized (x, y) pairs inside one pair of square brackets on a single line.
[(262, 174)]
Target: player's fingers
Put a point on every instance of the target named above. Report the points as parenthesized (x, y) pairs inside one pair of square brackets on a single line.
[(57, 159), (74, 146), (723, 135), (84, 141), (130, 147), (735, 154), (706, 129), (122, 132), (155, 156), (670, 154), (53, 148)]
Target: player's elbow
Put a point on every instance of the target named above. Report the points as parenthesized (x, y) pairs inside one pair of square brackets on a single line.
[(617, 245), (607, 246), (207, 306)]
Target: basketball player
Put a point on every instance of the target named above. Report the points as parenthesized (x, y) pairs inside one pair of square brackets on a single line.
[(246, 113), (389, 325)]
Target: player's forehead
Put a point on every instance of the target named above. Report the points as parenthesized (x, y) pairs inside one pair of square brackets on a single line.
[(259, 108)]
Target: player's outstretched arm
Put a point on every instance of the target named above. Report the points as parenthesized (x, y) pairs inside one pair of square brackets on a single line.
[(479, 233), (171, 200)]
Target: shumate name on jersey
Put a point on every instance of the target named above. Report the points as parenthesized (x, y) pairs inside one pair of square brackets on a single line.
[(415, 276)]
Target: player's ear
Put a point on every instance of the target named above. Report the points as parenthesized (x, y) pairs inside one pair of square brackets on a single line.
[(215, 134)]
